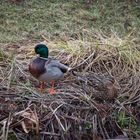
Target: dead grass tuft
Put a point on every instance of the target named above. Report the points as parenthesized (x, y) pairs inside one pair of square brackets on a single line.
[(98, 100)]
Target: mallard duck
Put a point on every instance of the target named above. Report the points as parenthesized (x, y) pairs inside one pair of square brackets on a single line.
[(46, 69)]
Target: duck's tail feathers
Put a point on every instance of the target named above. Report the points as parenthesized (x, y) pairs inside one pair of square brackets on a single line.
[(64, 68)]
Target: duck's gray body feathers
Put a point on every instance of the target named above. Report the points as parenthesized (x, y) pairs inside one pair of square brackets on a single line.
[(54, 70)]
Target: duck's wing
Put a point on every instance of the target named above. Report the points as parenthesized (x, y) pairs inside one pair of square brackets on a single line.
[(56, 63)]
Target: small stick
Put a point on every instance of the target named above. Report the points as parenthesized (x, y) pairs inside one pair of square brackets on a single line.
[(43, 36)]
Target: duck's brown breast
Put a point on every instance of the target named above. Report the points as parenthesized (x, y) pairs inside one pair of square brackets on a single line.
[(37, 67)]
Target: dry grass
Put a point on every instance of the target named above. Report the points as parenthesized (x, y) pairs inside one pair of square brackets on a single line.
[(100, 100)]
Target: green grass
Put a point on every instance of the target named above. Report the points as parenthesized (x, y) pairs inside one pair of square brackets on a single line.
[(128, 123), (66, 18)]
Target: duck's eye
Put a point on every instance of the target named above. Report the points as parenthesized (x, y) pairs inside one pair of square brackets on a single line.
[(37, 48)]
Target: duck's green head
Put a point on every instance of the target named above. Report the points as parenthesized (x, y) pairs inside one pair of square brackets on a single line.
[(42, 50)]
